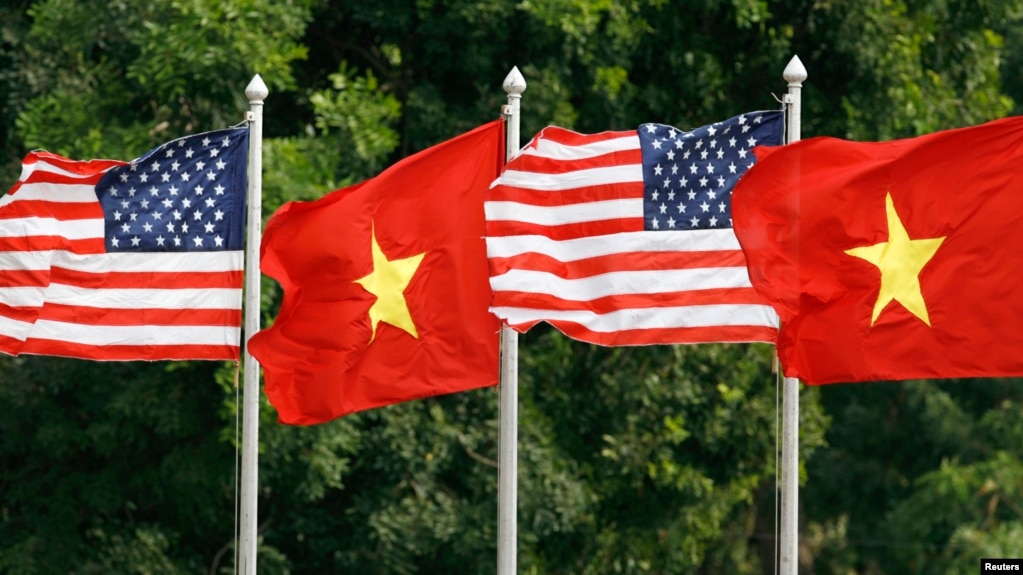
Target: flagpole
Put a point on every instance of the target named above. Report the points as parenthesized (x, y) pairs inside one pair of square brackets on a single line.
[(794, 74), (507, 446), (256, 92)]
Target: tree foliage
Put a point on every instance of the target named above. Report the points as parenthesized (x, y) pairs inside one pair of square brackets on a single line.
[(634, 460)]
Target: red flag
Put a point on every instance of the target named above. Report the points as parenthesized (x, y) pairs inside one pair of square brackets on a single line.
[(385, 287), (892, 260)]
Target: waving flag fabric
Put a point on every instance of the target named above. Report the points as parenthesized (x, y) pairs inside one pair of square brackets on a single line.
[(112, 260), (385, 287), (625, 238), (891, 260)]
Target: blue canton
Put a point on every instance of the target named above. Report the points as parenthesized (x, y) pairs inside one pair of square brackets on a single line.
[(187, 195), (688, 176)]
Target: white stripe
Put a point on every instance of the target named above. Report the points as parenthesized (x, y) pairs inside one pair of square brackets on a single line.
[(36, 226), (623, 174), (135, 335), (50, 192), (568, 214), (556, 151), (151, 262), (588, 247), (14, 328), (202, 298), (649, 318), (22, 296), (39, 260), (619, 283)]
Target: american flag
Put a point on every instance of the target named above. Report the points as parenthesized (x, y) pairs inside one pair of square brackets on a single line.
[(140, 260), (625, 237)]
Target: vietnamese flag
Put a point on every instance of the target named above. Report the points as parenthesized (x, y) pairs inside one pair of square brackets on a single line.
[(386, 289), (891, 260)]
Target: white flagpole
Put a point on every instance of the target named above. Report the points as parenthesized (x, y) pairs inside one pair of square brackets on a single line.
[(256, 92), (507, 446), (794, 74)]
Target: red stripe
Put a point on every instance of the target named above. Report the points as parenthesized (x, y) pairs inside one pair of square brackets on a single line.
[(24, 314), (24, 278), (64, 211), (654, 336), (9, 345), (566, 197), (148, 280), (570, 138), (565, 231), (85, 179), (143, 316), (611, 303), (75, 166), (129, 352), (619, 262), (548, 165), (41, 243)]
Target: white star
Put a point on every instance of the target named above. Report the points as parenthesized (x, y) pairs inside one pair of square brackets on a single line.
[(159, 240), (198, 241), (165, 177), (200, 165), (657, 170), (124, 178), (170, 227), (125, 227), (185, 176), (177, 241), (219, 240), (205, 142), (214, 152), (219, 215), (144, 178), (211, 176), (117, 216), (156, 166), (705, 207), (113, 242), (186, 202), (209, 227), (135, 241), (713, 221), (671, 222), (196, 215), (219, 189), (148, 227)]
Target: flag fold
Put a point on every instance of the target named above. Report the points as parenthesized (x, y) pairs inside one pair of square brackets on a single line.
[(891, 260), (140, 260), (625, 237), (385, 287)]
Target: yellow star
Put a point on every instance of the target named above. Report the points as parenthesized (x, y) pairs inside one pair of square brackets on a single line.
[(387, 282), (900, 260)]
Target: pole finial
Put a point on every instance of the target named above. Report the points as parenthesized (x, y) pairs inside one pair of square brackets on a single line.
[(256, 91), (514, 83), (795, 72)]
